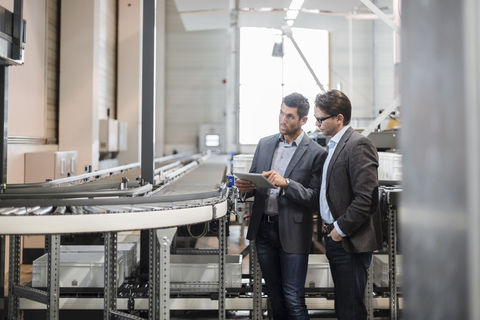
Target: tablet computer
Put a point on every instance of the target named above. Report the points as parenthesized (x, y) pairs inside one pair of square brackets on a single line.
[(256, 178)]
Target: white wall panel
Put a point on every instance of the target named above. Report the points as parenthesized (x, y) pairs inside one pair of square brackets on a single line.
[(26, 93), (80, 81), (129, 76), (354, 73), (196, 65), (108, 58), (53, 70), (383, 58)]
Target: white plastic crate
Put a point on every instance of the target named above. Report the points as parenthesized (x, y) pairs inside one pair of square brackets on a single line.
[(381, 270), (126, 249), (389, 166), (201, 270), (131, 237), (242, 162), (76, 270), (318, 274)]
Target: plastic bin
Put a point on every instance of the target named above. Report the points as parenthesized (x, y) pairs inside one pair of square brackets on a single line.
[(130, 237), (389, 166), (126, 249), (242, 162), (76, 270), (381, 270), (318, 273), (200, 271)]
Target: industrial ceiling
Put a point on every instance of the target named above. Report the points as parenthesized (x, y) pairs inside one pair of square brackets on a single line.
[(199, 15)]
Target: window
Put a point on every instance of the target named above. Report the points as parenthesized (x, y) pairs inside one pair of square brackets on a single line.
[(212, 140), (265, 79)]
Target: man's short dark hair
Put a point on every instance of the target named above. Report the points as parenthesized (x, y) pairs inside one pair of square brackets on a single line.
[(334, 102), (296, 100)]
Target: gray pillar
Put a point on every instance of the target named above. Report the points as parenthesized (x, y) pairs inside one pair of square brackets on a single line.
[(439, 214), (4, 125), (148, 112), (148, 90)]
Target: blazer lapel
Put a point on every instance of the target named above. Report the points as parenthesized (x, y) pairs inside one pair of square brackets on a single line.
[(297, 155), (269, 150), (339, 148)]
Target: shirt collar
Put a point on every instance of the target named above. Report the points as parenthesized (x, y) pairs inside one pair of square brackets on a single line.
[(336, 138), (295, 142)]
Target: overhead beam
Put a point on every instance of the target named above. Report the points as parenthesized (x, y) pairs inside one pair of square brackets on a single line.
[(381, 15)]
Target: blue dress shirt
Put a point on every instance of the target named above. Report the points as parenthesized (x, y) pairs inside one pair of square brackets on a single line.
[(324, 208), (281, 158)]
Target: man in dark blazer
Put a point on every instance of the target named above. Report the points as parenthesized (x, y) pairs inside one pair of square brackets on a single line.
[(281, 221), (348, 203)]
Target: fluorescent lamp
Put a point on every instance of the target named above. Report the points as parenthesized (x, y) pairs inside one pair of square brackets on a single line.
[(296, 5), (291, 14), (293, 11)]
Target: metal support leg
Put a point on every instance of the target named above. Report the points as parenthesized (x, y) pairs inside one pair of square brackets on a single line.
[(3, 125), (257, 282), (222, 249), (2, 265), (153, 294), (110, 274), (369, 293), (53, 283), (392, 261), (13, 277), (164, 277)]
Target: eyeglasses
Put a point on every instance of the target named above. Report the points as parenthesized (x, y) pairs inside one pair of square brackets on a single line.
[(320, 120)]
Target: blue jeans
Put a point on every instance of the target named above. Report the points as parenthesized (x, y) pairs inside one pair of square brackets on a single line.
[(284, 274), (350, 274)]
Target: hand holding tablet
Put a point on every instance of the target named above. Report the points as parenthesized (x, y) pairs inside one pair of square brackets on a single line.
[(256, 178)]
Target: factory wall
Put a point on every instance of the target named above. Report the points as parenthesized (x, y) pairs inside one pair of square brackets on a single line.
[(362, 64), (93, 88), (195, 90), (385, 61), (192, 82), (27, 94)]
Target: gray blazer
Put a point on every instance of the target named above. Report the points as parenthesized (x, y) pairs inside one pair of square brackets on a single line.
[(295, 212), (352, 192)]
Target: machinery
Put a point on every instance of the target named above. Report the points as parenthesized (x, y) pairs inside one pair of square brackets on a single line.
[(190, 189)]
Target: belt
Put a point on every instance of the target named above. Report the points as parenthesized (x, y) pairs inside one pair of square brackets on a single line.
[(269, 218), (327, 228)]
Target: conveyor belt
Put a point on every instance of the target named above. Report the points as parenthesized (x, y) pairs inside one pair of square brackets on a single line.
[(211, 175), (196, 195)]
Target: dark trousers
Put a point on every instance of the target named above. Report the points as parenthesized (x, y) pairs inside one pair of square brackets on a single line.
[(284, 274), (350, 274)]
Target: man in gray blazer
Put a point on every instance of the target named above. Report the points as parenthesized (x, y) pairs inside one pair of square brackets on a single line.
[(281, 221), (348, 203)]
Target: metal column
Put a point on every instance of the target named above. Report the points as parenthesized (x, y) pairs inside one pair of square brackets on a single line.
[(4, 124), (53, 283), (14, 277), (165, 239), (392, 261), (148, 111), (3, 156), (256, 282), (153, 291), (222, 249), (110, 274)]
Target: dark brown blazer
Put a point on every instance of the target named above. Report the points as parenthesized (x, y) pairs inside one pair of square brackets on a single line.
[(295, 214), (352, 192)]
